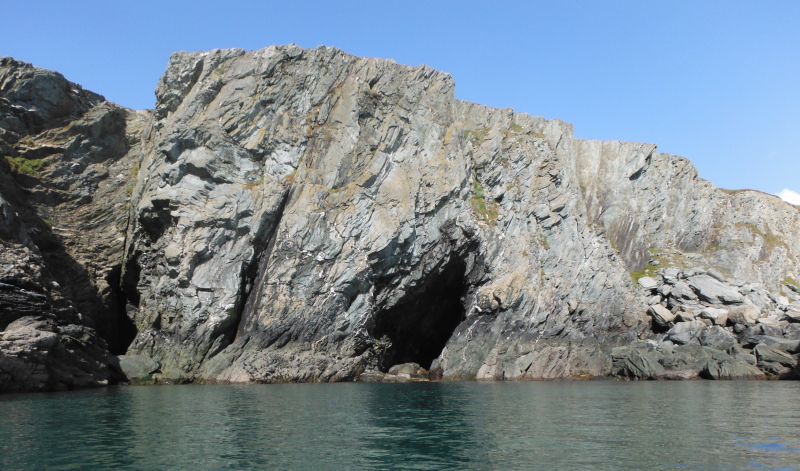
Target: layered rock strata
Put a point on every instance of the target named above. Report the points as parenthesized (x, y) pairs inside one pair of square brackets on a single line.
[(306, 215)]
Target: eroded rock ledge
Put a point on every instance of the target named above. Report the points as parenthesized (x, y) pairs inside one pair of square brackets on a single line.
[(307, 215)]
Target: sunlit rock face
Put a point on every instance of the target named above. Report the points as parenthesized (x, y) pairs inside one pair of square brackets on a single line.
[(306, 215)]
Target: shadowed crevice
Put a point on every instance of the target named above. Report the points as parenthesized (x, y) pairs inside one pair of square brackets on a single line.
[(125, 330), (255, 272)]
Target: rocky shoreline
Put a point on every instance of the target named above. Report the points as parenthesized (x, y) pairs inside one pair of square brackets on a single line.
[(306, 215)]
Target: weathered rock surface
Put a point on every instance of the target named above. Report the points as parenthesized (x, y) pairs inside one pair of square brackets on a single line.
[(134, 367), (306, 215), (67, 158)]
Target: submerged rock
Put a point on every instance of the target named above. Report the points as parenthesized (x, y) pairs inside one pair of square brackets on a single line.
[(307, 215)]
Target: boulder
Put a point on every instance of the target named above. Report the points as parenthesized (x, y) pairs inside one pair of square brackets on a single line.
[(407, 368), (371, 376), (38, 355), (647, 282), (732, 369), (670, 275), (716, 315), (661, 315), (687, 358), (717, 337), (741, 353), (406, 372), (746, 314), (684, 333), (133, 367), (710, 290), (636, 362), (682, 291), (786, 345), (793, 313), (773, 354)]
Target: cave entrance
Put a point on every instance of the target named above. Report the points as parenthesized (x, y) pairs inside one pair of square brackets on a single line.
[(422, 323)]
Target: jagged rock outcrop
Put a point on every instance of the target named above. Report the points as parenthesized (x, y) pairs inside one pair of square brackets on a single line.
[(64, 180), (306, 215)]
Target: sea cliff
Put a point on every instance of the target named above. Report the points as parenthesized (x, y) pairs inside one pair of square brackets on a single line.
[(306, 215)]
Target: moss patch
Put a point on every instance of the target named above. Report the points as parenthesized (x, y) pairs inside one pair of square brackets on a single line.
[(788, 280), (648, 270), (32, 167)]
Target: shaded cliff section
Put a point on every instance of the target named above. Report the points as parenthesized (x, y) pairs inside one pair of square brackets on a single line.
[(64, 176), (307, 215)]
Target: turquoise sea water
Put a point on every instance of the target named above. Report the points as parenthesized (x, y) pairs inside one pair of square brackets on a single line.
[(552, 425)]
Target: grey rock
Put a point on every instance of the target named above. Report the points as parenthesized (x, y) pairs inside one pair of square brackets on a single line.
[(716, 315), (661, 315), (670, 275), (740, 353), (775, 361), (407, 368), (38, 355), (770, 353), (637, 363), (713, 291), (745, 314), (684, 333), (732, 369), (371, 376), (134, 367), (786, 345), (718, 338), (681, 291), (647, 282), (405, 372)]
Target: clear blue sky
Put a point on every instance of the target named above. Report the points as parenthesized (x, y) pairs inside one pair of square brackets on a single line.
[(715, 81)]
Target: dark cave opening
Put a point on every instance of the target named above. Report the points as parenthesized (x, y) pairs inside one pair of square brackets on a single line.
[(421, 324)]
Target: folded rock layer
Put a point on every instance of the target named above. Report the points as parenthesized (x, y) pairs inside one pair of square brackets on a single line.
[(306, 215)]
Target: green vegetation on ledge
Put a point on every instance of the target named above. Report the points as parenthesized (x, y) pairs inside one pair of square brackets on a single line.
[(487, 210), (476, 134), (788, 280), (648, 270), (32, 167)]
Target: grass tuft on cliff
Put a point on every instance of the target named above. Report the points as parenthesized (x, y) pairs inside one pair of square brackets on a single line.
[(31, 167), (487, 210)]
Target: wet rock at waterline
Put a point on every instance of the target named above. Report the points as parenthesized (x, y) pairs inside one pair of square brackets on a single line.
[(306, 215)]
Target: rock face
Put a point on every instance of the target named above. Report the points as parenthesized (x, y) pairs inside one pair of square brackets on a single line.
[(67, 157), (306, 215)]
